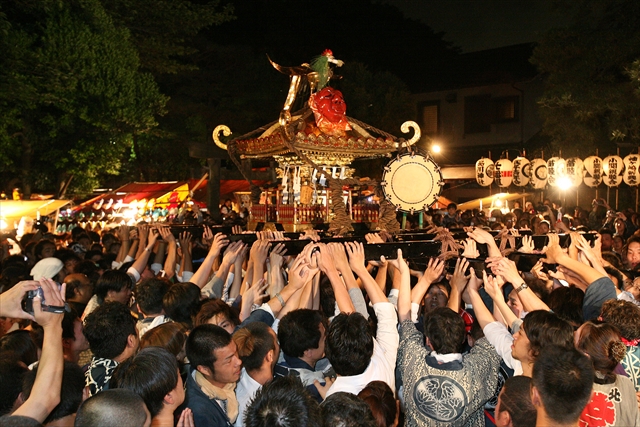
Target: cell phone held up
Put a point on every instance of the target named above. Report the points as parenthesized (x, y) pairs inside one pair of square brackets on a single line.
[(27, 302)]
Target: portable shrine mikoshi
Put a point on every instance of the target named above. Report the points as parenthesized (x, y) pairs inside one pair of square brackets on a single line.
[(314, 148)]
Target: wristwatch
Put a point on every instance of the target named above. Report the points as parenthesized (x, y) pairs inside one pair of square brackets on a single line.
[(521, 287)]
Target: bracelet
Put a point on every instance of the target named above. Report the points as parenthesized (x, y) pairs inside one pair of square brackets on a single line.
[(521, 288), (280, 299), (147, 249)]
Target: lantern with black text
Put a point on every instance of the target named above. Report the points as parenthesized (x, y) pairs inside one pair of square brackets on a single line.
[(521, 171), (592, 171), (484, 172), (612, 168), (504, 173), (573, 170), (539, 174), (631, 176), (555, 170)]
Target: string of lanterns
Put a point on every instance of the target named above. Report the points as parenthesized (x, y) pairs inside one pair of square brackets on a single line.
[(559, 172)]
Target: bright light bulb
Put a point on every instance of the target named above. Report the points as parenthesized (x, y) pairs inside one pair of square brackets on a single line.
[(564, 183), (436, 148), (498, 203)]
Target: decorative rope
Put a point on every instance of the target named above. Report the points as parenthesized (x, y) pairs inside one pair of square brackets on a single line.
[(507, 242), (449, 246)]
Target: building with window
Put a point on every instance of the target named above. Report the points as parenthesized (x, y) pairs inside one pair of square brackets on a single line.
[(484, 102)]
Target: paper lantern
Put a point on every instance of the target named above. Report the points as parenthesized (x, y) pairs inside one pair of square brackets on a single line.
[(521, 171), (592, 171), (555, 170), (574, 170), (503, 173), (612, 168), (631, 175), (539, 174), (484, 172)]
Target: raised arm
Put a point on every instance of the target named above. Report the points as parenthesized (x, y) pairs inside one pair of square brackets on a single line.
[(357, 263), (483, 315), (327, 266), (186, 264), (141, 262), (170, 261), (509, 272), (201, 276), (404, 294), (45, 394), (458, 283)]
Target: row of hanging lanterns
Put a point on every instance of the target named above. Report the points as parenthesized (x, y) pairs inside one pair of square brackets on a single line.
[(593, 171)]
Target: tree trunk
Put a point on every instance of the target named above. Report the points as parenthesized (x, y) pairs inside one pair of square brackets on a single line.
[(27, 154), (136, 152)]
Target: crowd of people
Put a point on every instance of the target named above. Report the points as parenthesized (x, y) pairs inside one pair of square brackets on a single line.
[(136, 326)]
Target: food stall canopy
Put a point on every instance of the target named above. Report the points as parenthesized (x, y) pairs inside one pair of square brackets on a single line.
[(170, 192), (12, 210), (487, 202)]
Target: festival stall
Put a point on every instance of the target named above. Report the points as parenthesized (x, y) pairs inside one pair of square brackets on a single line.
[(314, 148), (11, 211)]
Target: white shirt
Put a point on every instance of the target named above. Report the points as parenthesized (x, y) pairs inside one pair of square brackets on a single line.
[(500, 338), (246, 389), (385, 351)]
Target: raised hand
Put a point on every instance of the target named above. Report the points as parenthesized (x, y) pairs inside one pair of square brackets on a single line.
[(459, 280), (356, 255), (207, 235), (276, 257), (434, 270), (527, 245), (470, 249), (219, 241), (185, 241), (373, 238), (165, 233)]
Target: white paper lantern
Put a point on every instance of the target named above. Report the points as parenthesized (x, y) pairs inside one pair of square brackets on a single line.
[(521, 171), (539, 174), (504, 173), (592, 171), (574, 170), (612, 167), (484, 172), (631, 176), (555, 170)]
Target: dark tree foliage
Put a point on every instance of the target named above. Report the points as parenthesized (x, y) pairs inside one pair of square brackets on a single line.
[(72, 94), (591, 97)]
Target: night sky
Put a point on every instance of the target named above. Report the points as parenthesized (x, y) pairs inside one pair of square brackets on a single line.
[(484, 24)]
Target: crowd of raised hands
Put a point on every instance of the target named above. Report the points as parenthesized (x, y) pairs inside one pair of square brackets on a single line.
[(337, 279)]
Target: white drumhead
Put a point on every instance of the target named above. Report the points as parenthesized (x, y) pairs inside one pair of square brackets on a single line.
[(412, 183)]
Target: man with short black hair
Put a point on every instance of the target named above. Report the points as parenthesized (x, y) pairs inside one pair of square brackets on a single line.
[(606, 239), (301, 334), (113, 338), (73, 340), (211, 384), (283, 402), (153, 375), (72, 393), (444, 387), (113, 408), (149, 294), (79, 291), (561, 386), (451, 219), (346, 409)]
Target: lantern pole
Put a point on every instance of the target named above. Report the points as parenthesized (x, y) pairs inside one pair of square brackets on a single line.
[(494, 174), (617, 187), (598, 156)]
